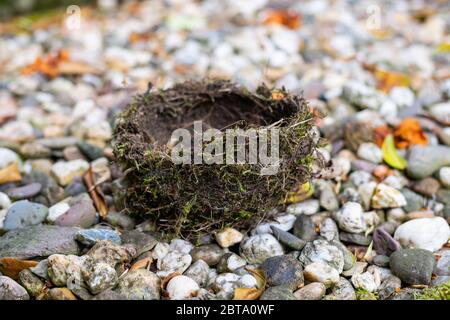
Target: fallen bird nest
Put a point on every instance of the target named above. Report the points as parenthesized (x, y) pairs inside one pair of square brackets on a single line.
[(198, 198)]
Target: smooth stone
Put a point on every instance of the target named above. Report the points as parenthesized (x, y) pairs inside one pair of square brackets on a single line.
[(57, 143), (181, 245), (91, 151), (439, 280), (65, 171), (82, 213), (414, 201), (110, 253), (256, 249), (370, 152), (305, 228), (288, 239), (381, 260), (322, 251), (142, 241), (210, 253), (405, 294), (51, 191), (413, 266), (23, 214), (358, 268), (364, 281), (174, 261), (139, 284), (224, 285), (329, 229), (427, 186), (57, 210), (62, 267), (75, 188), (283, 270), (355, 238), (357, 178), (349, 258), (121, 220), (199, 272), (60, 294), (350, 218), (387, 197), (182, 288), (350, 195), (343, 290), (384, 243), (228, 237), (38, 241), (424, 161), (321, 272), (328, 199), (230, 262), (278, 293), (366, 192), (443, 196), (25, 192), (424, 233), (89, 237), (312, 291), (7, 157), (11, 290), (31, 282), (41, 269), (308, 207), (444, 176), (388, 287), (442, 267), (34, 151)]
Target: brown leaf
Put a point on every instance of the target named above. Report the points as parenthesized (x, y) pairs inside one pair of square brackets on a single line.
[(252, 293), (96, 193), (165, 282), (10, 173), (11, 267), (142, 264), (409, 133), (389, 79), (287, 18), (380, 133)]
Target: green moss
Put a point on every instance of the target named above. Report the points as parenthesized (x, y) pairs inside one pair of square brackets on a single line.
[(440, 292), (363, 294)]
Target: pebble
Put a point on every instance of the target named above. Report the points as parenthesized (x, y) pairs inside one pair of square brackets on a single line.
[(230, 262), (65, 172), (31, 282), (23, 214), (228, 237), (413, 266), (210, 253), (414, 201), (328, 199), (444, 176), (199, 272), (388, 287), (25, 192), (329, 229), (288, 239), (321, 272), (89, 237), (322, 251), (442, 267), (427, 186), (257, 248), (364, 281), (308, 207), (358, 268), (312, 291), (225, 284), (60, 294), (384, 243), (387, 197), (99, 277), (360, 177), (11, 290), (370, 152), (181, 246), (121, 220), (350, 218), (343, 290), (143, 242), (424, 233), (62, 267), (355, 238), (278, 293), (174, 261), (424, 161), (139, 284), (182, 288), (112, 254), (82, 213), (283, 270), (305, 228)]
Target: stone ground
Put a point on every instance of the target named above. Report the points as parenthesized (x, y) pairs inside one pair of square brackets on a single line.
[(375, 224)]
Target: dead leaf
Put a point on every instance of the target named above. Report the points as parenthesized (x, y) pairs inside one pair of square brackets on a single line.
[(302, 193), (389, 79), (287, 18), (142, 264), (11, 267), (380, 133), (96, 193), (165, 282), (409, 133), (10, 173), (252, 293)]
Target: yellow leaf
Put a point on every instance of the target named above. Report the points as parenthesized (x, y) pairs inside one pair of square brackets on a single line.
[(390, 154), (252, 293), (389, 79), (442, 48), (10, 174), (304, 192)]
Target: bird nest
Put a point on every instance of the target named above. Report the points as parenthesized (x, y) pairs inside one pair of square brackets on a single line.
[(204, 194)]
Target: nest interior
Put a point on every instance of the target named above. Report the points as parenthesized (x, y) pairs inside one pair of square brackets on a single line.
[(197, 198)]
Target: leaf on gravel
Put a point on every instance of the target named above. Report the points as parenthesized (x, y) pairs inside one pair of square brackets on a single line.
[(11, 267), (391, 156), (142, 264), (304, 192), (96, 193), (10, 173), (165, 282), (442, 48), (409, 133), (287, 18), (252, 293), (380, 133), (389, 79)]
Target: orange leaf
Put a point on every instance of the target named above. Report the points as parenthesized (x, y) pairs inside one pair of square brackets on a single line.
[(11, 267), (389, 79), (142, 264), (409, 133), (10, 173), (286, 18), (252, 293), (380, 133)]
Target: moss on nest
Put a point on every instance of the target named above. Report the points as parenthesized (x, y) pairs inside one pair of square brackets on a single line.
[(200, 197)]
